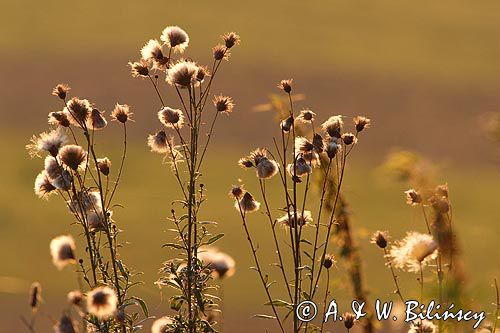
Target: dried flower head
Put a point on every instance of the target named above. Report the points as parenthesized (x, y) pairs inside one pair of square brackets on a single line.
[(380, 238), (202, 73), (442, 191), (58, 176), (286, 124), (333, 126), (231, 39), (89, 201), (223, 104), (61, 91), (95, 220), (139, 68), (171, 117), (361, 123), (328, 261), (73, 156), (64, 325), (220, 52), (152, 52), (303, 145), (318, 142), (50, 142), (58, 118), (43, 186), (176, 38), (77, 111), (422, 326), (35, 296), (290, 221), (102, 302), (247, 204), (62, 250), (183, 74), (104, 164), (332, 147), (413, 252), (158, 142), (163, 325), (237, 191), (266, 168), (306, 116), (301, 168), (221, 264), (121, 113), (349, 320), (96, 121), (413, 197), (286, 85), (440, 204), (349, 139), (75, 297)]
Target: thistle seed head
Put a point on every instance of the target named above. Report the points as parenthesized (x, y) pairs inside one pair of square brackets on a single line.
[(61, 91), (62, 250), (176, 38)]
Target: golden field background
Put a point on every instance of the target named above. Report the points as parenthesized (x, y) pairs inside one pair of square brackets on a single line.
[(424, 72)]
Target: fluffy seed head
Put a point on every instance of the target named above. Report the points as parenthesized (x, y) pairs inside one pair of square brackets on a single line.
[(290, 220), (89, 201), (303, 145), (151, 52), (183, 74), (43, 186), (301, 168), (102, 302), (332, 148), (58, 177), (162, 325), (61, 91), (121, 113), (175, 38), (247, 204), (422, 326), (380, 238), (50, 142), (35, 296), (236, 191), (73, 156), (220, 52), (349, 139), (104, 164), (318, 143), (78, 110), (361, 123), (306, 115), (158, 142), (333, 126), (413, 252), (202, 73), (220, 263), (442, 190), (223, 104), (349, 320), (171, 117), (75, 297), (231, 39), (96, 121), (266, 168), (286, 124), (139, 68), (62, 250), (329, 261), (58, 118), (413, 197), (286, 85)]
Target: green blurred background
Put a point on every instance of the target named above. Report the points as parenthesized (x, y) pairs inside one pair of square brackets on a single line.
[(425, 72)]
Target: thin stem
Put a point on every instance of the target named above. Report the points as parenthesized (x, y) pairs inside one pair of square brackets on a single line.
[(394, 276)]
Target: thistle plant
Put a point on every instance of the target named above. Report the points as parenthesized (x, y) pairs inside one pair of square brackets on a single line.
[(87, 184), (293, 160), (183, 142)]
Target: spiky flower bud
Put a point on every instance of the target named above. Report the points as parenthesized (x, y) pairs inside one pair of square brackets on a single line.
[(286, 85), (61, 91)]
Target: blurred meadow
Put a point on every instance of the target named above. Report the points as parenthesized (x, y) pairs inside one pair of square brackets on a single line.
[(425, 73)]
